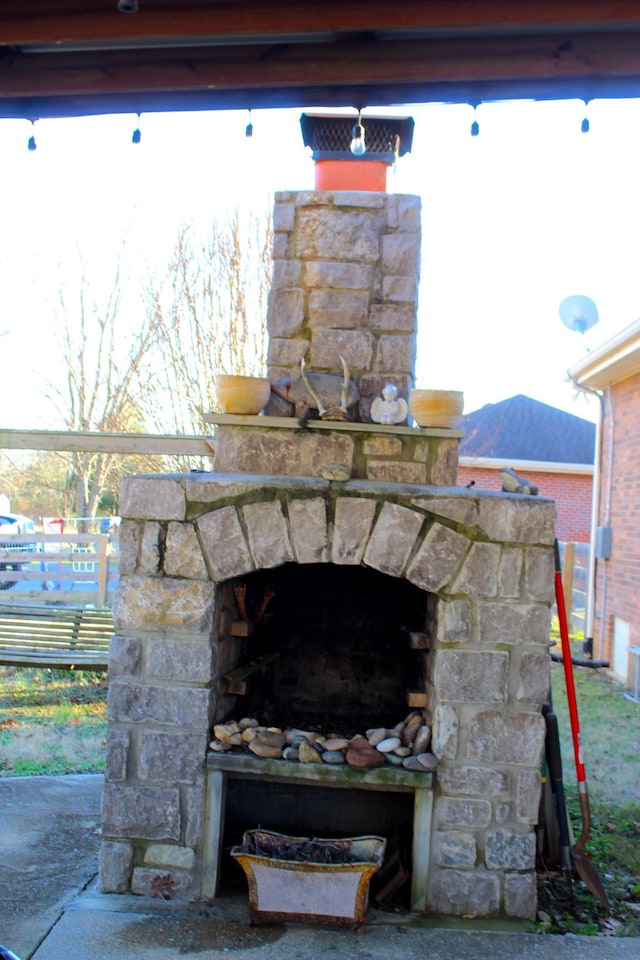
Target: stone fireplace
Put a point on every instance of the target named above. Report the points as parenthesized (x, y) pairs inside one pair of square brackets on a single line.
[(274, 587)]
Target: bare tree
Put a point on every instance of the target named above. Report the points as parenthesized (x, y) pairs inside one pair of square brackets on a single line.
[(105, 372), (210, 312)]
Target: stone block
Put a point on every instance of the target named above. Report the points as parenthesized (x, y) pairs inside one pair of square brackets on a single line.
[(116, 755), (444, 739), (129, 544), (169, 855), (401, 254), (395, 354), (460, 509), (183, 661), (482, 781), (268, 534), (143, 878), (513, 623), (520, 895), (528, 789), (510, 572), (288, 453), (391, 318), (338, 309), (224, 544), (286, 273), (454, 621), (308, 528), (183, 556), (171, 757), (390, 471), (534, 677), (359, 198), (281, 245), (147, 813), (539, 574), (443, 468), (473, 893), (506, 850), (115, 863), (438, 559), (464, 812), (409, 213), (150, 548), (146, 603), (284, 216), (478, 576), (383, 446), (471, 676), (217, 487), (402, 290), (498, 737), (393, 539), (152, 498), (351, 530), (177, 706), (125, 655), (329, 234), (285, 314), (193, 803), (511, 518), (455, 849), (336, 275), (287, 352), (356, 346)]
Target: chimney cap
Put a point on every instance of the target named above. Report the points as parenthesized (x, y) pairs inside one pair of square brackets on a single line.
[(329, 136)]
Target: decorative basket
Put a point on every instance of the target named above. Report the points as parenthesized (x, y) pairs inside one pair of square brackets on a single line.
[(285, 885)]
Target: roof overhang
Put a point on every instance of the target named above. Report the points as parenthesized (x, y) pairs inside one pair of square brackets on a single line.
[(73, 57), (615, 360)]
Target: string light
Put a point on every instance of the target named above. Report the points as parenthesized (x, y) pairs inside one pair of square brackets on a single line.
[(475, 126), (358, 146), (136, 136), (585, 125), (249, 128), (31, 142)]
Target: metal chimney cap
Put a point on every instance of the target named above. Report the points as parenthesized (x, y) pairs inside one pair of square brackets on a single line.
[(329, 136)]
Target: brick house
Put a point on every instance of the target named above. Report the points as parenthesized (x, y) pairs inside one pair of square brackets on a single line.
[(553, 449), (613, 370)]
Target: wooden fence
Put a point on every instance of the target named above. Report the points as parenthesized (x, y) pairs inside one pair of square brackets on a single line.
[(574, 558), (75, 569)]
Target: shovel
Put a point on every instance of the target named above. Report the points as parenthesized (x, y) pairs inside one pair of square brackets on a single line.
[(580, 858)]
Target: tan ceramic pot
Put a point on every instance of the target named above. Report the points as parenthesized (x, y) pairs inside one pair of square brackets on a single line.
[(436, 408), (242, 395)]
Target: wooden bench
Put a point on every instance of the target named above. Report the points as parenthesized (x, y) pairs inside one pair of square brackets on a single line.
[(64, 638)]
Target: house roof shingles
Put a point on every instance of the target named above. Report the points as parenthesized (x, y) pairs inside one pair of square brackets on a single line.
[(524, 429)]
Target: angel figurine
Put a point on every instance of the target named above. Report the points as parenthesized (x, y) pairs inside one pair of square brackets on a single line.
[(388, 408)]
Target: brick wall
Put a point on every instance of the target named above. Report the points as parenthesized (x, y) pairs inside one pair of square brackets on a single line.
[(571, 492), (621, 597)]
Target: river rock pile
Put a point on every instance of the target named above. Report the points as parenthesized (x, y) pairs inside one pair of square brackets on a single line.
[(404, 745)]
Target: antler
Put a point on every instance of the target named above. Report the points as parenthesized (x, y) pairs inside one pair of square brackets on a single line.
[(314, 396)]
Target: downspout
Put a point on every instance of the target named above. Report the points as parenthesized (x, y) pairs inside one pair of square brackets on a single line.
[(607, 522)]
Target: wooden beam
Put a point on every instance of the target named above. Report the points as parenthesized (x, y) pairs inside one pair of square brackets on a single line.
[(94, 442)]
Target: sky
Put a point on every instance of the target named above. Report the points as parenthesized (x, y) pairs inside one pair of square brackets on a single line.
[(514, 220)]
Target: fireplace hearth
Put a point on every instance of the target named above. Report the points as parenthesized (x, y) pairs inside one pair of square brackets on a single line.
[(267, 590)]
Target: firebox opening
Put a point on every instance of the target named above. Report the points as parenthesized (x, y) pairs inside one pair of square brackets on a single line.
[(336, 647), (314, 811)]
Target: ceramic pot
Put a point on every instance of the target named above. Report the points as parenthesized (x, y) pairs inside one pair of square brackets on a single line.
[(242, 395), (436, 408)]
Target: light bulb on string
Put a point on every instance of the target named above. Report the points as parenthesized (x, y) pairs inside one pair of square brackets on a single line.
[(136, 136), (585, 126), (358, 146), (475, 126), (31, 142), (248, 132)]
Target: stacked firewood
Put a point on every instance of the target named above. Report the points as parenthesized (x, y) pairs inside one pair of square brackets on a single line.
[(404, 745)]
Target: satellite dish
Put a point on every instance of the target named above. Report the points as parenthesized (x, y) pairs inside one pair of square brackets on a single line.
[(579, 313)]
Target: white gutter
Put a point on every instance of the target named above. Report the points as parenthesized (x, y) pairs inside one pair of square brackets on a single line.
[(532, 466)]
